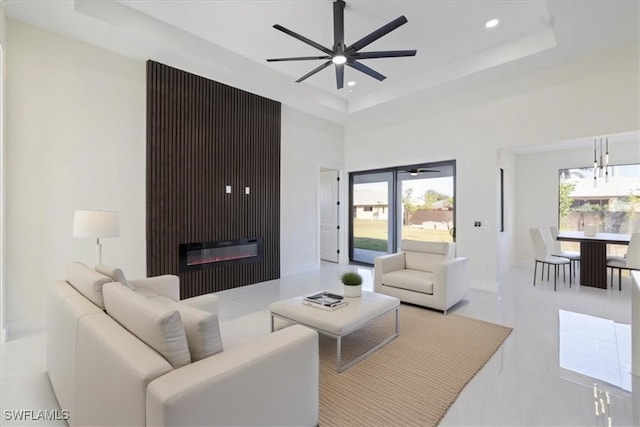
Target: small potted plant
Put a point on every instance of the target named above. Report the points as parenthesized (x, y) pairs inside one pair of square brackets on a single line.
[(352, 284)]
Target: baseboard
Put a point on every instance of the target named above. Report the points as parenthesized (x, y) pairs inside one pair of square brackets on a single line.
[(22, 327)]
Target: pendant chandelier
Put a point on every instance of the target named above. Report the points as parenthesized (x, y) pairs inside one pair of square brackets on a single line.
[(600, 169)]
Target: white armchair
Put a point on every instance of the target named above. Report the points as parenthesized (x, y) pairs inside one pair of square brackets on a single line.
[(423, 273)]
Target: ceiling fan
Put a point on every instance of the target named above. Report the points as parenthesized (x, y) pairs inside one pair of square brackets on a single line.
[(418, 171), (342, 54)]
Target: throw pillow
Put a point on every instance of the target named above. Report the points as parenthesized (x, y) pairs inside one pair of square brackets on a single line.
[(202, 329), (158, 325), (115, 273)]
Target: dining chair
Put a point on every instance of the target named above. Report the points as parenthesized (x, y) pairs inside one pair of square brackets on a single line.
[(556, 250), (543, 256), (631, 261)]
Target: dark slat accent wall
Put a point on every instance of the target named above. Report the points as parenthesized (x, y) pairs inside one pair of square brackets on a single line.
[(202, 136)]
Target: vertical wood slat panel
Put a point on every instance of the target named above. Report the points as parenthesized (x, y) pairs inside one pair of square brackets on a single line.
[(201, 136)]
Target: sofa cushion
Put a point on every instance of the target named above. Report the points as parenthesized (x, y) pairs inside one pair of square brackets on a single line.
[(202, 329), (158, 325), (87, 281), (412, 280), (440, 248), (424, 255), (115, 273)]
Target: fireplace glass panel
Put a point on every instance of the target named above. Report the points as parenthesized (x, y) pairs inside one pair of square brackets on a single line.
[(198, 256)]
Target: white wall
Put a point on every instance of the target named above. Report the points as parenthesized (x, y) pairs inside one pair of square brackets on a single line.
[(537, 188), (308, 143), (576, 100), (75, 140)]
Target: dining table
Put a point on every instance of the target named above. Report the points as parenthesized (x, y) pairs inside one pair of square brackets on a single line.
[(593, 254)]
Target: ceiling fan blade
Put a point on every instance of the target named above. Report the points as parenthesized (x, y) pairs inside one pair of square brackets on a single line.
[(303, 39), (340, 76), (315, 70), (415, 172), (383, 54), (338, 26), (370, 38), (298, 58), (364, 69)]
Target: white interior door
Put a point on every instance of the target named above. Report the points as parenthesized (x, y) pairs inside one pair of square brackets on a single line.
[(329, 215)]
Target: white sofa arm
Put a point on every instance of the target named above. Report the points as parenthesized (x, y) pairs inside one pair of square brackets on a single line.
[(206, 302), (272, 380), (384, 264), (114, 369), (450, 281), (167, 285)]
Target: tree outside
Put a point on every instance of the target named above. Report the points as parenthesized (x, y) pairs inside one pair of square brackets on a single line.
[(408, 206), (565, 202)]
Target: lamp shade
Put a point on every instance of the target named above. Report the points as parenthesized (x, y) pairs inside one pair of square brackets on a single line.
[(95, 224)]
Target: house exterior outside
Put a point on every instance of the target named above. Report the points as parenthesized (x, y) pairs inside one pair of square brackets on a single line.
[(370, 204)]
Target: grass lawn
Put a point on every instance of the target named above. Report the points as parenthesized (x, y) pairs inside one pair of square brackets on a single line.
[(378, 245), (373, 234)]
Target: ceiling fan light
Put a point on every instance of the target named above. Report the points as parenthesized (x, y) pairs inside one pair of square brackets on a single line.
[(339, 59)]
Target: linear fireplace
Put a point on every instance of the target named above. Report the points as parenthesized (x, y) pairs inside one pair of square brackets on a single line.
[(203, 255)]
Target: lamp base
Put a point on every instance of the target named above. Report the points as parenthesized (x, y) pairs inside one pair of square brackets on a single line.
[(98, 251)]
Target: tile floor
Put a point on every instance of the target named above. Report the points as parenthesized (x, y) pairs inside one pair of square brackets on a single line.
[(522, 385)]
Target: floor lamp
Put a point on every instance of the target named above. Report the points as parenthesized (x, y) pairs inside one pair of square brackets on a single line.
[(96, 224)]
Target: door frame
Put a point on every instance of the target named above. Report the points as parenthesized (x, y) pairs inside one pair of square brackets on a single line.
[(342, 236), (394, 200), (391, 212)]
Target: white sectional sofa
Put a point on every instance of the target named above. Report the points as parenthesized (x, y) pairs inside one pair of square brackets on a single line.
[(162, 362), (423, 273)]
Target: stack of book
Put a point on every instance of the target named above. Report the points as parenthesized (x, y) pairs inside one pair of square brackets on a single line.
[(325, 300)]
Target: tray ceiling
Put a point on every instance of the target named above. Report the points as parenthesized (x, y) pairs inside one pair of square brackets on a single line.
[(229, 41)]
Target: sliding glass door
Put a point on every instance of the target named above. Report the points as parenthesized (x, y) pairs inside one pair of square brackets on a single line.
[(372, 221), (426, 203), (414, 202)]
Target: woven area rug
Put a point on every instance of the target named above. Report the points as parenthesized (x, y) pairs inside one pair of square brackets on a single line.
[(411, 381)]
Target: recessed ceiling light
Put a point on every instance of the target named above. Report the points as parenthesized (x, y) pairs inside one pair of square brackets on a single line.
[(351, 83), (492, 23)]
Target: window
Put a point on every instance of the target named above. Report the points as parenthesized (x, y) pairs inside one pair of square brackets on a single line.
[(613, 206)]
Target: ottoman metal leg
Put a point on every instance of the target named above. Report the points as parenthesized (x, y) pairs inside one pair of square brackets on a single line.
[(359, 358), (339, 356)]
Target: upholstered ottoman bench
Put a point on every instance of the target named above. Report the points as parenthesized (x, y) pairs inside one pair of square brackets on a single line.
[(338, 323)]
